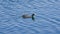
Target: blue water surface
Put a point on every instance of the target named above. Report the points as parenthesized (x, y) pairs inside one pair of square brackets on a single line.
[(47, 17)]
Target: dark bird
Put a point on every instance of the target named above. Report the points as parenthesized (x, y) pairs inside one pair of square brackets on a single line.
[(28, 16)]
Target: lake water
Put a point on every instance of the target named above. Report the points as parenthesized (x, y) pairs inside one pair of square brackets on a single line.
[(47, 17)]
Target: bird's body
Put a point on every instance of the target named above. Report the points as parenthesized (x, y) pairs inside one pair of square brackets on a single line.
[(28, 16)]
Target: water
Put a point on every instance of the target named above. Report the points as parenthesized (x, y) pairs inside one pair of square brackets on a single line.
[(47, 17)]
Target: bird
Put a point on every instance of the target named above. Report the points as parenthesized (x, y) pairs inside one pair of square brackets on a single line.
[(28, 16)]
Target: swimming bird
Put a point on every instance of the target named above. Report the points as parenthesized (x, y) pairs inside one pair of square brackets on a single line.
[(28, 16)]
